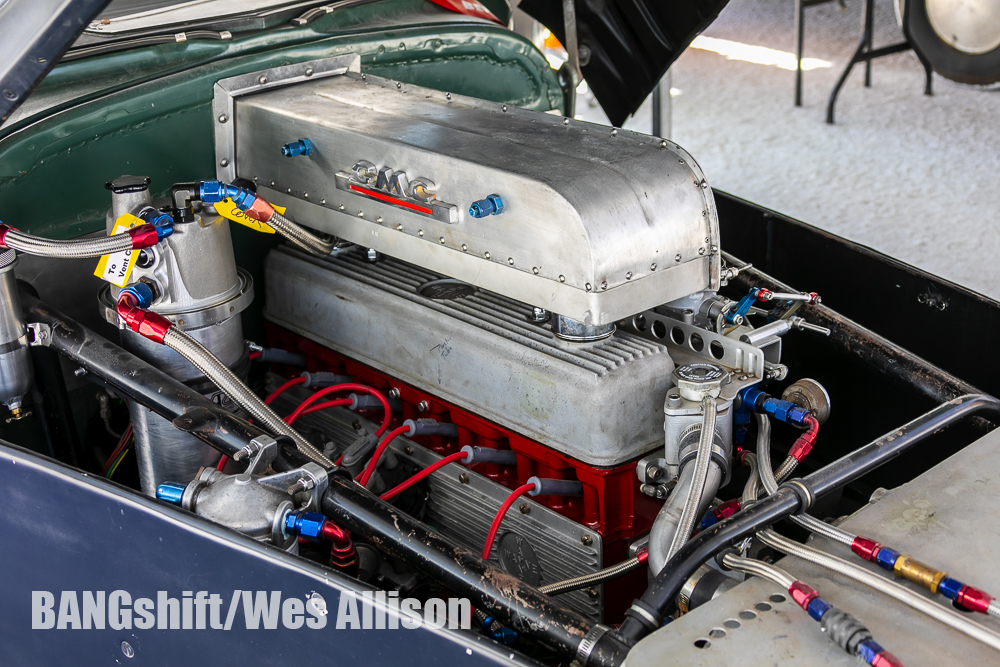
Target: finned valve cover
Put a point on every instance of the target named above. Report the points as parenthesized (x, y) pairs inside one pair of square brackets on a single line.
[(589, 222)]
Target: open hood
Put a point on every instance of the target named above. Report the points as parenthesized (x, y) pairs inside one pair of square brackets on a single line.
[(33, 36), (631, 43)]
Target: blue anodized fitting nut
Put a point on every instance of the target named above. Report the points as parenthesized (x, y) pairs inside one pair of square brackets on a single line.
[(170, 492), (296, 148), (492, 205), (142, 292), (306, 524), (212, 192)]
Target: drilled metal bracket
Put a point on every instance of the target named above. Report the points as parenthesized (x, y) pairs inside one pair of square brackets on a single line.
[(41, 334)]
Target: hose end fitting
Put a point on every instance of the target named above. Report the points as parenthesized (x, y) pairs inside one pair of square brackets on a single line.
[(802, 593), (146, 236), (865, 548), (143, 292), (305, 524), (296, 148), (3, 235), (145, 323)]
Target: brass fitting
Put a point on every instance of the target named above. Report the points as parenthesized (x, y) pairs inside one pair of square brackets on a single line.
[(907, 567)]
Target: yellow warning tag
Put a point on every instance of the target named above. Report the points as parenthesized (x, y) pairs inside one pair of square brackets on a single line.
[(228, 209), (117, 267)]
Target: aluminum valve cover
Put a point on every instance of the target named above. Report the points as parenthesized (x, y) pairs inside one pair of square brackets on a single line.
[(600, 403), (597, 224)]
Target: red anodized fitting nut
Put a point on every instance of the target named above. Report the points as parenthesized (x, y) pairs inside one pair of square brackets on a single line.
[(865, 548), (144, 236), (260, 211), (802, 593), (146, 324), (764, 294), (886, 659), (3, 234), (974, 599)]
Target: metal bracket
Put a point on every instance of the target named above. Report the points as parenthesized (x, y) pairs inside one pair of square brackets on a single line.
[(227, 90), (697, 342), (311, 478), (264, 450), (41, 334)]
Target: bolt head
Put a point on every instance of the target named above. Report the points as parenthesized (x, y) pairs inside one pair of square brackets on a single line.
[(525, 508), (464, 247), (677, 257), (127, 650), (562, 279), (586, 540), (9, 94), (447, 96), (309, 71), (486, 254), (504, 108), (223, 118), (628, 276), (510, 260), (224, 162), (592, 593), (463, 478), (420, 232), (663, 144), (399, 86), (614, 133), (441, 240), (588, 287), (565, 121), (423, 406), (408, 449), (262, 79)]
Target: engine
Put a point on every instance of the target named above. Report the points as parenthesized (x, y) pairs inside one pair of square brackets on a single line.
[(506, 358)]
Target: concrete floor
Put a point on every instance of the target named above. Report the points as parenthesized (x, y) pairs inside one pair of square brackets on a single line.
[(912, 176)]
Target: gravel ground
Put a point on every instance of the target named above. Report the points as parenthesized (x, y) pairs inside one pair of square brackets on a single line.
[(912, 176)]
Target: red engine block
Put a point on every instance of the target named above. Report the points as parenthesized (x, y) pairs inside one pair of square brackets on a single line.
[(612, 504)]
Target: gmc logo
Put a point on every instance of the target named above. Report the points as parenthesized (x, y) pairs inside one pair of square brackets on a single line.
[(418, 195)]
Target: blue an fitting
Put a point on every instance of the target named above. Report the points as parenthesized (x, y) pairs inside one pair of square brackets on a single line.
[(555, 487), (305, 524), (752, 398), (212, 192), (163, 222), (818, 607), (296, 148), (492, 205), (886, 558), (170, 492), (708, 520), (143, 293), (498, 631), (950, 588)]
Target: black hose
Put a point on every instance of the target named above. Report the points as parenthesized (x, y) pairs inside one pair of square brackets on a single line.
[(791, 497)]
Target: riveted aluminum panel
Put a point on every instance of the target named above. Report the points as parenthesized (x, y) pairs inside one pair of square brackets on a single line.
[(596, 226), (600, 403), (946, 517)]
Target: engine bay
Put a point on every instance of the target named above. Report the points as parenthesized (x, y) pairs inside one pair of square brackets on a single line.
[(502, 355)]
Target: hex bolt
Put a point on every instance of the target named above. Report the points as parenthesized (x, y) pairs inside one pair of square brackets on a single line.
[(586, 540), (539, 314), (373, 255)]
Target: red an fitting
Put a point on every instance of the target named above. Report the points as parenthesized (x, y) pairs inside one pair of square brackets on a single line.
[(3, 235), (727, 509), (764, 295), (342, 554), (802, 593), (974, 599), (886, 659), (805, 443), (143, 322), (260, 211), (866, 548), (144, 236)]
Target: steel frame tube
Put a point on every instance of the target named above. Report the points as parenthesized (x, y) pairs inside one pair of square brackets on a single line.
[(186, 408), (514, 603)]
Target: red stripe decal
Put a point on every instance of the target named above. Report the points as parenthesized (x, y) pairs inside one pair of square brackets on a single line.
[(392, 200)]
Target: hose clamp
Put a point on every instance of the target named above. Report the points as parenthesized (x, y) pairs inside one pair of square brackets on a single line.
[(804, 493), (589, 641)]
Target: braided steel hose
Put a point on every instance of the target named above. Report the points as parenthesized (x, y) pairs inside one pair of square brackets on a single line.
[(885, 586), (690, 514), (752, 488), (299, 236), (231, 385), (594, 578)]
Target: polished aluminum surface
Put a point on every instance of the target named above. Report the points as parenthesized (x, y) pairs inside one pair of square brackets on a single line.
[(464, 510), (946, 517), (595, 226), (481, 352)]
